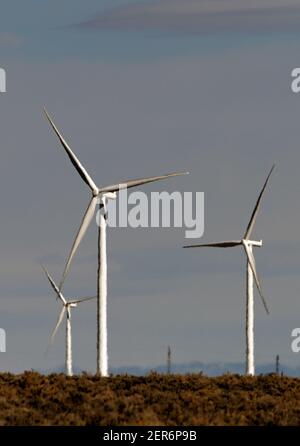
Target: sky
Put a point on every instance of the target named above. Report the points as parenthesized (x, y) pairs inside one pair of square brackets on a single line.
[(141, 88)]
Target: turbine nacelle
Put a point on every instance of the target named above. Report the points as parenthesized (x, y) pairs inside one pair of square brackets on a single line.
[(110, 195), (252, 242)]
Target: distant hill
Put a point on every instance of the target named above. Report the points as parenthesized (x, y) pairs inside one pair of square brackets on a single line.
[(209, 369)]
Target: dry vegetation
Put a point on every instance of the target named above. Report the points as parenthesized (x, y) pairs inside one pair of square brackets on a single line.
[(34, 399)]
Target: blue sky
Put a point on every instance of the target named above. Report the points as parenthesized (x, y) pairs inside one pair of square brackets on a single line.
[(138, 98)]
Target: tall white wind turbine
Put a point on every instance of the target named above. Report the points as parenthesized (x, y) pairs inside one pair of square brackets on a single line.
[(247, 244), (66, 310), (100, 195)]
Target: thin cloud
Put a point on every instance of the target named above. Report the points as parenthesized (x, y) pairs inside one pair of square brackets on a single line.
[(201, 17)]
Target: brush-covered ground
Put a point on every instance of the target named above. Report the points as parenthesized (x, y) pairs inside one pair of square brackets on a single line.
[(34, 399)]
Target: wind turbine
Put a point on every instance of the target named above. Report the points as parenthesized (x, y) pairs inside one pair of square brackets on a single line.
[(247, 244), (66, 310), (99, 195)]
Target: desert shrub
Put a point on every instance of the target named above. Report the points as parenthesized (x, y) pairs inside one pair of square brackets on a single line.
[(34, 399)]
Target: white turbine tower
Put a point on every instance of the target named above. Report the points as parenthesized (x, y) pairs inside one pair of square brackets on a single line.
[(247, 244), (66, 309), (99, 195)]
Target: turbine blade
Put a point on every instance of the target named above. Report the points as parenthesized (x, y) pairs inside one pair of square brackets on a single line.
[(252, 264), (228, 244), (73, 158), (54, 286), (256, 208), (83, 299), (59, 321), (79, 236), (138, 182)]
